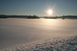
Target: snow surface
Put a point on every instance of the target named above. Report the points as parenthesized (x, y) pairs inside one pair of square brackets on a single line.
[(38, 35), (52, 44)]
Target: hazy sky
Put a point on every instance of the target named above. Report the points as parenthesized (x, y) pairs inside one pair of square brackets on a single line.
[(38, 7)]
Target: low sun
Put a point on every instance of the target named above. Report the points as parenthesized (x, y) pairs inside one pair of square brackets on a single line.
[(49, 12)]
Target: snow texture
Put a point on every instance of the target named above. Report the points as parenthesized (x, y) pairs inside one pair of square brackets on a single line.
[(51, 44)]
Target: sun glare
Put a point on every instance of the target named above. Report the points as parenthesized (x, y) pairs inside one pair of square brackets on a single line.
[(49, 12)]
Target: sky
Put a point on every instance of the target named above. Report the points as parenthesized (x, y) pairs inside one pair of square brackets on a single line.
[(38, 7)]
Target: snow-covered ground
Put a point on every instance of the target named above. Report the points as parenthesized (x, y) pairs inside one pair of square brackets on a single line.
[(52, 44), (38, 35)]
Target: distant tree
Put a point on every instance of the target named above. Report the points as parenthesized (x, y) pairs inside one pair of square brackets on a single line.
[(3, 16), (35, 16)]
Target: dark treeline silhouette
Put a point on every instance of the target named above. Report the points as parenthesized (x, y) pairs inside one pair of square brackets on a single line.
[(69, 17), (3, 16), (20, 16), (37, 17), (62, 17)]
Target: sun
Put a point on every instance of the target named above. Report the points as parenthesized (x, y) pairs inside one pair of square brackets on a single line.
[(49, 12)]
